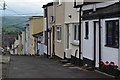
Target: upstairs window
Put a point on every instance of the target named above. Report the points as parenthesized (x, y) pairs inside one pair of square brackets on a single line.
[(59, 34), (112, 33)]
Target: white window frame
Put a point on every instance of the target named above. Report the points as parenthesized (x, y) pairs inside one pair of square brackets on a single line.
[(58, 30)]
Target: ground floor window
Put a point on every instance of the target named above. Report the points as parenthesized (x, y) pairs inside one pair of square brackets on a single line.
[(76, 32), (86, 30), (112, 33), (58, 31)]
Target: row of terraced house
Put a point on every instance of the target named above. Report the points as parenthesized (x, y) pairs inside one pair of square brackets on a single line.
[(30, 40), (84, 33)]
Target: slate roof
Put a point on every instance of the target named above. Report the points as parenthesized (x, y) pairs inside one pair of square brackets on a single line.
[(48, 4), (107, 12)]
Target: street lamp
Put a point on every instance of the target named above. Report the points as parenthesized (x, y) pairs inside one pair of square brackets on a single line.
[(78, 4)]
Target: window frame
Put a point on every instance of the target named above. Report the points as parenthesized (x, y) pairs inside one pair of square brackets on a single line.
[(59, 29), (86, 30), (113, 33)]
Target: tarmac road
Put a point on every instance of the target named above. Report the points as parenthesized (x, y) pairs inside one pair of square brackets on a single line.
[(32, 67)]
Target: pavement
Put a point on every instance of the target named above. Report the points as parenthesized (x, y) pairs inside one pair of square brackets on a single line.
[(40, 67), (4, 61)]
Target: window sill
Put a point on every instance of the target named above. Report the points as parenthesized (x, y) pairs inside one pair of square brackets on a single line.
[(75, 43), (111, 46), (59, 4), (58, 41), (86, 38)]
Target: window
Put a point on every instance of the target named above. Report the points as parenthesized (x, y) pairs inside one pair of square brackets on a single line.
[(112, 33), (52, 18), (58, 30), (86, 30), (76, 31)]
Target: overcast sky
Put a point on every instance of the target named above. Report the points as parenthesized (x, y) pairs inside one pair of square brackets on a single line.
[(24, 7)]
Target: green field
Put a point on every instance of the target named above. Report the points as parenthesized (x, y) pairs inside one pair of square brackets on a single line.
[(14, 24)]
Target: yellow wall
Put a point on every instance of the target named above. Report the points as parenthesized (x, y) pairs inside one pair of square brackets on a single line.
[(36, 26)]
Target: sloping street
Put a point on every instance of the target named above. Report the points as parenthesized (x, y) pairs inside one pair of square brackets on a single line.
[(60, 39), (41, 67)]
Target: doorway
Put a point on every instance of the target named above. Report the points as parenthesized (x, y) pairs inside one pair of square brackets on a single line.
[(67, 36), (96, 44)]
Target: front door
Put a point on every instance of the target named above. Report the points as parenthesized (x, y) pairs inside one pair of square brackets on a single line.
[(96, 44), (67, 36)]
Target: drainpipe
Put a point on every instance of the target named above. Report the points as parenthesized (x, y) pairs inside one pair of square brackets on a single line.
[(47, 29), (80, 35), (99, 40)]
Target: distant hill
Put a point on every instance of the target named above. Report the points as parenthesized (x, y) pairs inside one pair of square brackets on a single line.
[(14, 24)]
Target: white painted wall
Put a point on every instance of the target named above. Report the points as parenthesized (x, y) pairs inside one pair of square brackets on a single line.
[(119, 46), (69, 10), (27, 41), (107, 53), (71, 37), (88, 45), (44, 29)]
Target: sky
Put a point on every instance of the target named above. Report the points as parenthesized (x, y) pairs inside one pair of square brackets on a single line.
[(23, 7)]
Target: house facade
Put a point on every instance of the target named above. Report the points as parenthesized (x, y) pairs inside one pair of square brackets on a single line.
[(101, 22), (49, 29), (17, 45), (99, 39), (71, 33), (36, 26), (59, 13), (27, 39), (23, 45)]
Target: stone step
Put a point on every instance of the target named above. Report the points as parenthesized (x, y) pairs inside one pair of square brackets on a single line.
[(64, 61)]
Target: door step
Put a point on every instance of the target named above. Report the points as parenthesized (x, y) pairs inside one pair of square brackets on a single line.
[(64, 61), (68, 65)]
